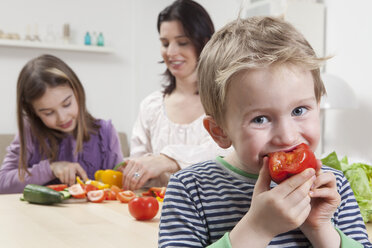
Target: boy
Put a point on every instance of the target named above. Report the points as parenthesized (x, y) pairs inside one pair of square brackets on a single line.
[(260, 86)]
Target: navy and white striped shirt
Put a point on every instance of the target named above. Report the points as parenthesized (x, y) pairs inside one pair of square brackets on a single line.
[(206, 200)]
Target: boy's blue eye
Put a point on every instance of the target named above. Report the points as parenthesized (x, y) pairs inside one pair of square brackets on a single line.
[(260, 120), (299, 111)]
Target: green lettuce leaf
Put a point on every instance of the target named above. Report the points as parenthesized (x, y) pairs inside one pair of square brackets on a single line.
[(359, 176), (332, 161)]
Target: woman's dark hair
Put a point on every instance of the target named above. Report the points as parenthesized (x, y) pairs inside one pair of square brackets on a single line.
[(197, 25)]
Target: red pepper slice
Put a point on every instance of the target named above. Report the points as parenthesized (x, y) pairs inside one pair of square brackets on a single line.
[(57, 187)]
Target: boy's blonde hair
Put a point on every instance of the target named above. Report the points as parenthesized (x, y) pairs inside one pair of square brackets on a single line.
[(251, 43)]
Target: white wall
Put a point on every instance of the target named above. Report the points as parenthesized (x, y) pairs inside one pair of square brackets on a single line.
[(107, 78), (116, 83), (349, 39)]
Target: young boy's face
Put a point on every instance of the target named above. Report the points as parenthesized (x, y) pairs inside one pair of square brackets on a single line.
[(271, 109)]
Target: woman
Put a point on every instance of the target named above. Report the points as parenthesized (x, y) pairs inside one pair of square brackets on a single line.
[(169, 134)]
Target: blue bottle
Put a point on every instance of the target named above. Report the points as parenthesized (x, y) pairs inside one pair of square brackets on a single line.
[(100, 40), (87, 39)]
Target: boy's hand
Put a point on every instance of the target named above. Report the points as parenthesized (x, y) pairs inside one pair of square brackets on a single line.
[(66, 172), (274, 211), (286, 206), (324, 202)]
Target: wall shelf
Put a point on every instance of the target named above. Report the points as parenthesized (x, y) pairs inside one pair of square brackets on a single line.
[(65, 47)]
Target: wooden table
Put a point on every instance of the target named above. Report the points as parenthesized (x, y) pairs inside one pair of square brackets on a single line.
[(85, 225), (369, 230)]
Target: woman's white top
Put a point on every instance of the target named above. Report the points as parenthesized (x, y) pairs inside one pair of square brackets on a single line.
[(154, 133)]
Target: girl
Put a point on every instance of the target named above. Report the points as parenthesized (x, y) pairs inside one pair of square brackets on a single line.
[(57, 137), (168, 134)]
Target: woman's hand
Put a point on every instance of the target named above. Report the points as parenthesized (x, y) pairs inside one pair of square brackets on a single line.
[(66, 172), (324, 202), (138, 171), (274, 211)]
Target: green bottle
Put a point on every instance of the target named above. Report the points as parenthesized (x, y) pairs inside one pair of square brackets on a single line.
[(100, 40), (87, 39)]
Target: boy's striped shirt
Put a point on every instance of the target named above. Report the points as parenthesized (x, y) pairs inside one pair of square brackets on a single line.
[(208, 199)]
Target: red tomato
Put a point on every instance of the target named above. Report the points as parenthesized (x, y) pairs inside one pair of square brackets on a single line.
[(285, 164), (76, 191), (155, 192), (89, 187), (148, 193), (159, 191), (96, 196), (57, 187), (143, 208), (110, 195), (125, 196), (116, 189)]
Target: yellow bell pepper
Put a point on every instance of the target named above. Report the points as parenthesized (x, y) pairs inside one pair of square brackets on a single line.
[(110, 177), (78, 180), (95, 183), (98, 184)]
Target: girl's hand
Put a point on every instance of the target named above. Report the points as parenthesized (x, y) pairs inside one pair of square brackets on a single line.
[(324, 202), (274, 211), (138, 171), (66, 172)]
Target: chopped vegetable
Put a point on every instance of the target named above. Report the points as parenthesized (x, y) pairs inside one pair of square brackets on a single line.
[(66, 194), (125, 196), (110, 177), (359, 176), (110, 195), (89, 187), (57, 187), (96, 196), (112, 192), (97, 184), (77, 191), (78, 180), (157, 192)]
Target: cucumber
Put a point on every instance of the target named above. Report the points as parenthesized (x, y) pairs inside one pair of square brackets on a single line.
[(66, 194), (41, 195)]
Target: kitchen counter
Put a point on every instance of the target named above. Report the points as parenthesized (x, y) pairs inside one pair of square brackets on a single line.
[(86, 225)]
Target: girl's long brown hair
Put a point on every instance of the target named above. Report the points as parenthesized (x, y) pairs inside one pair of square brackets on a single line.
[(36, 76)]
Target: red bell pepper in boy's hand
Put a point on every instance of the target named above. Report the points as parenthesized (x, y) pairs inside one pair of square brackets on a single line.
[(285, 164)]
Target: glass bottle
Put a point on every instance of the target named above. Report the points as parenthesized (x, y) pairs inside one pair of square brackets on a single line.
[(87, 39), (100, 40)]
